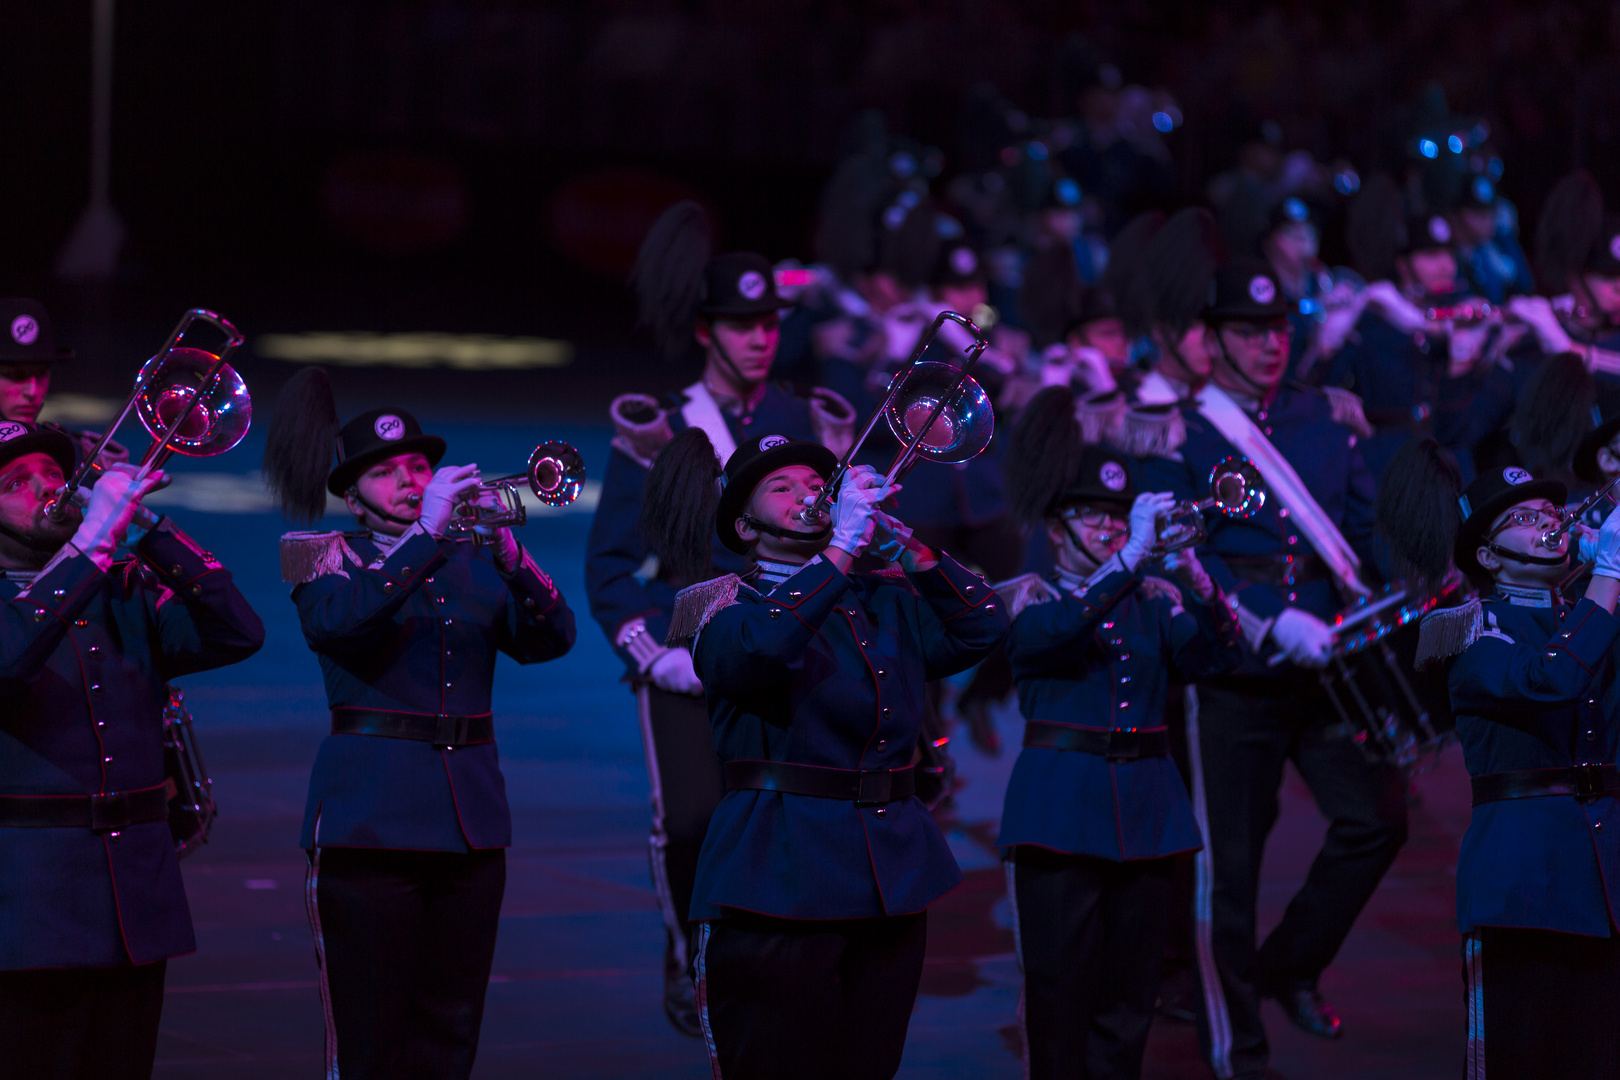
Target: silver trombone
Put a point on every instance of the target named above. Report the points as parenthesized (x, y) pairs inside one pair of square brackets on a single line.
[(936, 410), (190, 400)]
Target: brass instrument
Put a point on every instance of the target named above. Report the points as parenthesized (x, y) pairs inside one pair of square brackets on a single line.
[(556, 475), (191, 792), (191, 401), (1236, 491), (936, 410)]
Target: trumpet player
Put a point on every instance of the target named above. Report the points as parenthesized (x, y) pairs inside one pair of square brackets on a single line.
[(407, 822), (820, 862), (1532, 683), (727, 307), (1287, 570), (1096, 810), (91, 903)]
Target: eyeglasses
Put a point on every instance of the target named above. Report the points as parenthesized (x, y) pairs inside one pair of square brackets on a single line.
[(1524, 518), (1094, 518)]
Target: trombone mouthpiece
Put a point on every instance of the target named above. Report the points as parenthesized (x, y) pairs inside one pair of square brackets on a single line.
[(414, 499)]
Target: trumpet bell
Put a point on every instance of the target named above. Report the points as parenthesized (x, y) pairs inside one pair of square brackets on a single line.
[(168, 383), (1236, 488), (962, 429), (556, 473)]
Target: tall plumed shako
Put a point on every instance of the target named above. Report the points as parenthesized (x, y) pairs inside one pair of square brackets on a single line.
[(1374, 228), (1567, 230), (668, 275), (1553, 414), (300, 444), (1418, 513), (1170, 287), (678, 506), (1043, 454)]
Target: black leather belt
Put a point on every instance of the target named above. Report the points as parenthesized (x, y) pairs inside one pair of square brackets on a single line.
[(104, 813), (1581, 781), (863, 787), (419, 727), (1116, 745), (1278, 570)]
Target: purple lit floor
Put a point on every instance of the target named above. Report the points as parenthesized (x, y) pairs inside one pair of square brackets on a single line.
[(577, 974)]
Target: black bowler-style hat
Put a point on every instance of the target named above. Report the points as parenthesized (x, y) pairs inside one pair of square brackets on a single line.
[(752, 462), (1603, 257), (376, 436), (1247, 290), (1605, 425), (1484, 500), (26, 334), (1426, 232), (1103, 477), (739, 283), (18, 438)]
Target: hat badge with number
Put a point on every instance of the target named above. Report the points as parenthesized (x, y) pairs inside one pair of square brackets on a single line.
[(24, 329), (390, 427), (11, 429), (771, 442), (1262, 290), (1439, 230), (1112, 476), (965, 262), (1614, 246), (1515, 475), (751, 285)]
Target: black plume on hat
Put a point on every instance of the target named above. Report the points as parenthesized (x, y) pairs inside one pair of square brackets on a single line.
[(1050, 295), (1374, 227), (668, 275), (298, 449), (1049, 465), (1172, 280), (678, 506), (1553, 414), (1417, 509), (1568, 229)]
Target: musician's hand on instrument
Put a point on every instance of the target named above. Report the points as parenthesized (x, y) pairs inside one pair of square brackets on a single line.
[(114, 503), (1537, 313), (1384, 298), (1607, 563), (673, 671), (439, 499), (852, 511), (1586, 543), (1191, 573), (1149, 509), (1303, 638)]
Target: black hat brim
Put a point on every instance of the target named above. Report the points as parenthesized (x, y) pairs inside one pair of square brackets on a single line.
[(342, 478), (740, 488), (42, 441), (1471, 534), (765, 305), (1585, 460), (56, 357), (1252, 313)]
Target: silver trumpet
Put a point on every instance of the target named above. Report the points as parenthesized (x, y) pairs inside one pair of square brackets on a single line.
[(556, 475), (1236, 491)]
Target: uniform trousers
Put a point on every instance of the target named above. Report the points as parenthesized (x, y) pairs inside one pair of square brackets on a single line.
[(687, 784), (405, 940), (808, 999), (80, 1023), (1541, 1005), (1247, 729), (1091, 935)]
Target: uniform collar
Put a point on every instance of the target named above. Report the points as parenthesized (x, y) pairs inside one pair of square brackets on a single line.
[(1525, 596), (771, 574)]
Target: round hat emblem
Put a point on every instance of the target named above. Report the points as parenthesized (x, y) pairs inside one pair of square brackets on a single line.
[(11, 430), (1614, 246), (1439, 230), (389, 427), (1112, 476), (1262, 290), (964, 261), (771, 442), (751, 285), (24, 330), (1515, 475)]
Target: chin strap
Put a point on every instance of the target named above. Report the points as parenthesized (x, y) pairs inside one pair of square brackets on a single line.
[(787, 534), (354, 493), (1260, 392), (1520, 557), (1074, 540)]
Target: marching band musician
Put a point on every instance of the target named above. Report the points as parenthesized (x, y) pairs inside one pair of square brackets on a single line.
[(92, 904), (407, 822), (28, 352), (1095, 809), (730, 306), (1532, 684), (820, 862), (1287, 570)]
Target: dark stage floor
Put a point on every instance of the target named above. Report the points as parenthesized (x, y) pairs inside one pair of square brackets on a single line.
[(577, 986)]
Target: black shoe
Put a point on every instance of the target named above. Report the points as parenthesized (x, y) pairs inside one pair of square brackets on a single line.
[(680, 1005), (1307, 1010)]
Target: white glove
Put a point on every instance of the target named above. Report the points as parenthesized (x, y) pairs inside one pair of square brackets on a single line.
[(114, 502), (673, 671), (1303, 638), (1537, 313), (1190, 572), (858, 499), (446, 488), (1146, 511), (1608, 547)]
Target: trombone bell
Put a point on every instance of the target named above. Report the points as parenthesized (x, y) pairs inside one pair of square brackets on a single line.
[(962, 429), (164, 391)]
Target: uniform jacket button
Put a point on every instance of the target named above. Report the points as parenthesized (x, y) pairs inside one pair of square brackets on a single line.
[(970, 590), (95, 688), (196, 590), (776, 613), (886, 711), (1591, 736), (178, 569), (59, 593), (404, 571), (388, 586), (881, 743), (528, 602), (1124, 705), (794, 593), (882, 811), (447, 622), (882, 674)]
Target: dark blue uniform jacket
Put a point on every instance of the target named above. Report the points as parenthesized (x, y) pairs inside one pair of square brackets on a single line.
[(84, 659), (1104, 660), (1536, 689), (1299, 423), (419, 635), (829, 670), (615, 553)]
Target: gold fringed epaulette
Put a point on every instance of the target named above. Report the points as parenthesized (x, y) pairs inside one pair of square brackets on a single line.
[(306, 556), (1151, 431), (1024, 591), (696, 604), (1446, 632), (1348, 410)]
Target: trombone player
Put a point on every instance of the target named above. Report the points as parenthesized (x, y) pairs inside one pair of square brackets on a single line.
[(407, 822), (92, 904)]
